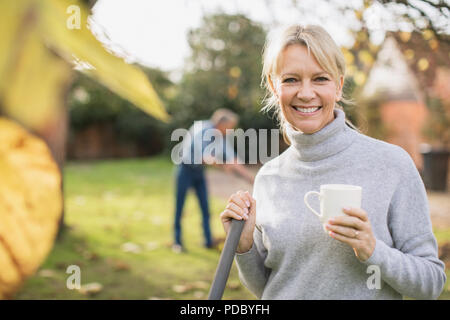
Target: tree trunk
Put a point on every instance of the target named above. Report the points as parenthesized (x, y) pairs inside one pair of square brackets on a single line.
[(55, 135)]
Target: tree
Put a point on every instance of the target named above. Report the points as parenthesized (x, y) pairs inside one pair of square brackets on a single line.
[(92, 104), (424, 15), (223, 71)]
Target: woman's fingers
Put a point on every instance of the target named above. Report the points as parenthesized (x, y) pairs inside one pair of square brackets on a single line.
[(228, 214), (244, 196), (355, 230), (238, 206), (241, 199), (240, 211), (250, 198), (348, 240), (347, 221), (357, 212), (344, 231), (238, 199)]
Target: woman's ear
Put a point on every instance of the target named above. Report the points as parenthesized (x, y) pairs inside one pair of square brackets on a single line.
[(339, 89)]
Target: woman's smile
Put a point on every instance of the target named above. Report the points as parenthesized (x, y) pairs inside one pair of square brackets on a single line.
[(306, 92), (307, 111)]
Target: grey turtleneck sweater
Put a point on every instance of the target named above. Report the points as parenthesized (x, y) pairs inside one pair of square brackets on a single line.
[(293, 258)]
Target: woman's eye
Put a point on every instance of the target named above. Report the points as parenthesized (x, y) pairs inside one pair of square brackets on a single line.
[(289, 80), (322, 79)]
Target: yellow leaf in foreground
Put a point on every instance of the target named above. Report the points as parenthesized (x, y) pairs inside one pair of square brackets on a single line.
[(35, 90), (11, 23), (38, 49), (30, 205), (124, 79)]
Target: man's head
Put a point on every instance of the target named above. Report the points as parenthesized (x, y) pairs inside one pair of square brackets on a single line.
[(224, 119)]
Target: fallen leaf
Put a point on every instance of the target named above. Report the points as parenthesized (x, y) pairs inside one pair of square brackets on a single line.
[(90, 255), (80, 200), (131, 247), (121, 266), (156, 220), (152, 246), (233, 285), (199, 294), (200, 285), (47, 273), (91, 288), (179, 288)]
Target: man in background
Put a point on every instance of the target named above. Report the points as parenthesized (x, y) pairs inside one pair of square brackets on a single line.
[(190, 173)]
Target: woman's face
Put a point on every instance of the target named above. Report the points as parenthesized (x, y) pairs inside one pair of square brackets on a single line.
[(306, 93)]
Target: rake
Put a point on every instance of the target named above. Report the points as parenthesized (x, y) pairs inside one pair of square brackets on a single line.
[(226, 260)]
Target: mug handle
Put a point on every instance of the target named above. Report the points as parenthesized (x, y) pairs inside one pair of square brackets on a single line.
[(307, 204)]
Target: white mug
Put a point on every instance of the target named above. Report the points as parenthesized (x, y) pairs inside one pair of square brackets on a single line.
[(333, 198)]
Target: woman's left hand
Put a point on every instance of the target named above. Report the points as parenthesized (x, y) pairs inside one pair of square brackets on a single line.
[(355, 230)]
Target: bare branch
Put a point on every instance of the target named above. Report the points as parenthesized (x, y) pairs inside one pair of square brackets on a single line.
[(441, 6)]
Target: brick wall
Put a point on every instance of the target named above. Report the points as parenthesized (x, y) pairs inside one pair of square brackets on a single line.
[(403, 121)]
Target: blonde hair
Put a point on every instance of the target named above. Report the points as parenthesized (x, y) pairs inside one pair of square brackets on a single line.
[(316, 39)]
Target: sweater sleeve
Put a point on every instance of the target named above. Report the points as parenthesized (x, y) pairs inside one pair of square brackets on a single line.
[(252, 272), (412, 266)]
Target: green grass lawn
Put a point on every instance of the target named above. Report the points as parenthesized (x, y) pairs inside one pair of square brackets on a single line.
[(112, 206), (119, 216)]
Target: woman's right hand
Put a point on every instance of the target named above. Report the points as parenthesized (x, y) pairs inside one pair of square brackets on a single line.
[(241, 205)]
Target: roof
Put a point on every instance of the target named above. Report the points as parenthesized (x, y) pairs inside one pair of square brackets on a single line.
[(424, 54)]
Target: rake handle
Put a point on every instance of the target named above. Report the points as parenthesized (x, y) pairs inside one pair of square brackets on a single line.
[(226, 260)]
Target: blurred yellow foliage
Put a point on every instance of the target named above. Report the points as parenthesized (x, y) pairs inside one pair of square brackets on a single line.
[(235, 72), (30, 205), (434, 44), (351, 70), (361, 36), (34, 92), (349, 58), (366, 57), (373, 48), (428, 34), (405, 36), (409, 54), (233, 91), (360, 78), (423, 64), (38, 51), (358, 14)]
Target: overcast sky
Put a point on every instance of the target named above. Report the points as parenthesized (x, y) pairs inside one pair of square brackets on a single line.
[(154, 32)]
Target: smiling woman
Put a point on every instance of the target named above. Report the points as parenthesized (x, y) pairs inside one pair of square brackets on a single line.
[(283, 252), (304, 74), (307, 93)]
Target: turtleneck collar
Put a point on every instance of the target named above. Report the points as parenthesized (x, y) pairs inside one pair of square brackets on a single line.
[(330, 140)]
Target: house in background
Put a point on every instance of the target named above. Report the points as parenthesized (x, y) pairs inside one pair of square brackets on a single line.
[(411, 69)]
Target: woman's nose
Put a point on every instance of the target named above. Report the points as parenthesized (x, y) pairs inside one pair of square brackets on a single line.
[(305, 92)]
